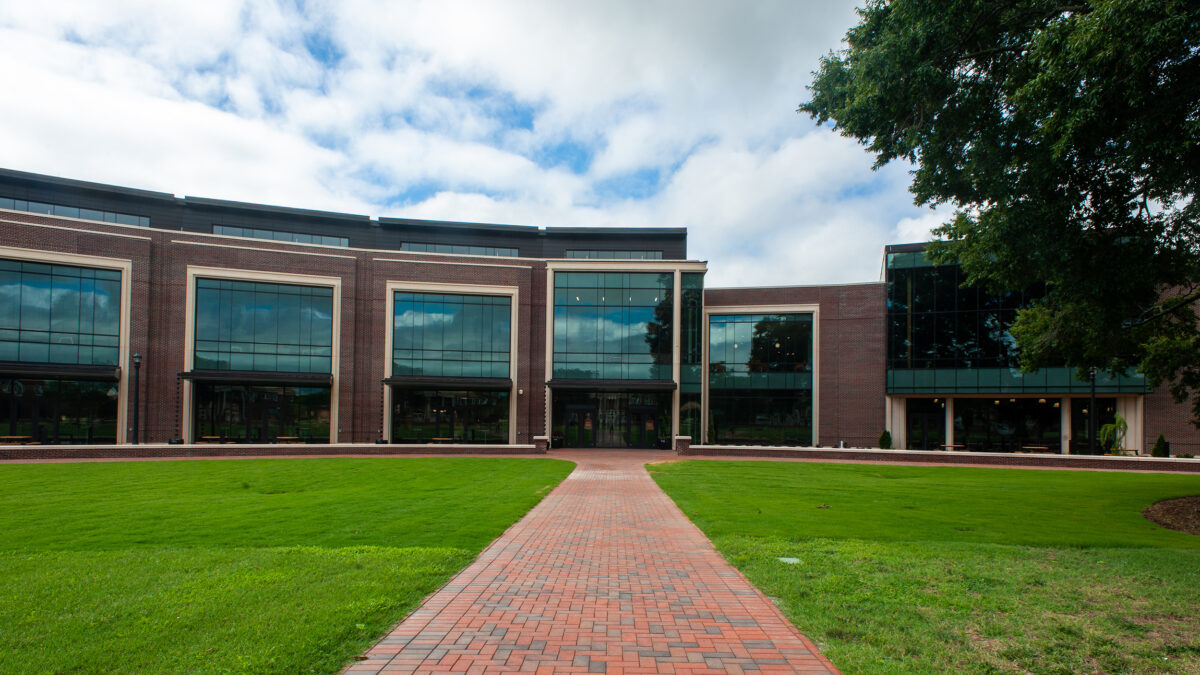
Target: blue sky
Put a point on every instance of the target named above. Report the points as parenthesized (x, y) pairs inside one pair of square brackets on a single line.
[(635, 114)]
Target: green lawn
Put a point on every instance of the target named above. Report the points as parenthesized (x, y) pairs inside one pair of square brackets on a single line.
[(951, 569), (261, 566)]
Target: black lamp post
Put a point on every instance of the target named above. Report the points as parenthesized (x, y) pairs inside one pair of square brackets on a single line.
[(137, 369), (1092, 414)]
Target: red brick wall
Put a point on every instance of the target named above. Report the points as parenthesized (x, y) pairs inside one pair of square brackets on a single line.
[(159, 295), (1162, 415), (852, 351)]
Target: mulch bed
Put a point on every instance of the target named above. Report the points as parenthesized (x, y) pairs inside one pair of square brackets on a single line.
[(1181, 514)]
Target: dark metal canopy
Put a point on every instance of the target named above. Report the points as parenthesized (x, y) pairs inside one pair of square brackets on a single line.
[(577, 384), (58, 371), (258, 377), (449, 383)]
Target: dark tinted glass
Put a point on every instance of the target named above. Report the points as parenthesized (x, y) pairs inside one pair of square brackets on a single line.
[(613, 325), (1008, 425), (58, 411), (261, 413), (246, 325), (448, 335), (59, 313), (420, 416)]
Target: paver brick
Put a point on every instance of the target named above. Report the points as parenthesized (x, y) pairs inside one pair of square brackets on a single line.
[(605, 575)]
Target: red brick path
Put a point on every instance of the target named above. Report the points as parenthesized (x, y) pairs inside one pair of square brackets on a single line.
[(604, 575)]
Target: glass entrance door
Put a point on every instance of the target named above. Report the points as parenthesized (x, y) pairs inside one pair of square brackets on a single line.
[(580, 422), (611, 420)]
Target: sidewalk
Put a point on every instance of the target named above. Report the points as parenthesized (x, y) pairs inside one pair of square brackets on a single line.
[(604, 575)]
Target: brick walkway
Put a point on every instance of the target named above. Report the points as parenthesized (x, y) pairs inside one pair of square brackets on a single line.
[(605, 575)]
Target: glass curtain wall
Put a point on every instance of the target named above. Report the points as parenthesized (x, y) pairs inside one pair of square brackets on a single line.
[(454, 343), (247, 325), (589, 419), (1106, 408), (760, 379), (261, 413), (925, 423), (946, 338), (446, 335), (447, 416), (269, 332), (613, 325), (58, 317), (691, 354), (1008, 425)]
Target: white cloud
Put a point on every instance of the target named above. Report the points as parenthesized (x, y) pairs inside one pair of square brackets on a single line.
[(531, 112)]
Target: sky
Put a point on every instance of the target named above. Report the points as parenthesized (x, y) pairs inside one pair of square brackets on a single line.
[(671, 113)]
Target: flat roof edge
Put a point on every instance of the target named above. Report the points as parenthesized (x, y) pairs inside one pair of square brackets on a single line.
[(85, 185), (267, 208)]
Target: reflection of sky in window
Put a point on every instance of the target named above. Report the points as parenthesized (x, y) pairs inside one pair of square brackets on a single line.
[(58, 313), (446, 335)]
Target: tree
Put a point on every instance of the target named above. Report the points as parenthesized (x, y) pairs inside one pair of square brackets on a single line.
[(1067, 137)]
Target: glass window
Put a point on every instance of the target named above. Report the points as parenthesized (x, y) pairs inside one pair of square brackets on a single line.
[(422, 247), (246, 325), (58, 411), (59, 313), (428, 416), (925, 423), (450, 335), (278, 235), (74, 212), (760, 379), (613, 325), (1008, 424), (261, 413)]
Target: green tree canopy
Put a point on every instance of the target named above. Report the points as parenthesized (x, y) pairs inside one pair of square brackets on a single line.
[(1067, 137)]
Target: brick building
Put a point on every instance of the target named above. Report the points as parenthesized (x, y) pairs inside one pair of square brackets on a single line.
[(256, 324)]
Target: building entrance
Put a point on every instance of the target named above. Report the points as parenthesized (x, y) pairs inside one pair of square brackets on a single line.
[(611, 420)]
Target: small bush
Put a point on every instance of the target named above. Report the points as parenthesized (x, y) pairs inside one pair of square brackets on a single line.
[(1161, 448), (885, 440)]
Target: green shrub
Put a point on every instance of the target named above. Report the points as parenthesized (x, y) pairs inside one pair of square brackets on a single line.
[(1112, 436), (885, 440), (1161, 447)]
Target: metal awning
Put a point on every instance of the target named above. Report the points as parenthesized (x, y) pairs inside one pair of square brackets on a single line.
[(259, 377), (575, 384), (450, 383), (58, 371)]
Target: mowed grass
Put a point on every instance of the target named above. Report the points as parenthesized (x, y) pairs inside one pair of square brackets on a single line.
[(263, 566), (905, 569)]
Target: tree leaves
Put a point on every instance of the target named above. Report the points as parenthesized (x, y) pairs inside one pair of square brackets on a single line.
[(1068, 136)]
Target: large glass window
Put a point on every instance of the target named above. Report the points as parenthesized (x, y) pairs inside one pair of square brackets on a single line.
[(247, 325), (261, 413), (59, 313), (58, 411), (925, 423), (428, 416), (1008, 425), (691, 355), (450, 335), (1106, 409), (613, 325), (943, 337), (611, 419), (760, 379)]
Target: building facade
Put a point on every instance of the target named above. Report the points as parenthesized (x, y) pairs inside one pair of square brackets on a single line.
[(260, 324)]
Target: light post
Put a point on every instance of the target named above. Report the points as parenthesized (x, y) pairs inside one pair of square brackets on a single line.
[(137, 369), (1092, 414)]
